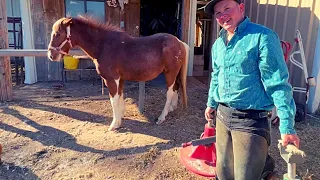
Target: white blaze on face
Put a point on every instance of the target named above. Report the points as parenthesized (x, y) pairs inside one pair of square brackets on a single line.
[(50, 51), (54, 28), (118, 108), (50, 55), (165, 110)]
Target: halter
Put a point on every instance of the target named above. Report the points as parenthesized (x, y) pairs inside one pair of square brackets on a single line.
[(63, 43)]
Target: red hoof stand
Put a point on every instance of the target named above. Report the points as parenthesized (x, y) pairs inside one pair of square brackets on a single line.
[(0, 152), (201, 159)]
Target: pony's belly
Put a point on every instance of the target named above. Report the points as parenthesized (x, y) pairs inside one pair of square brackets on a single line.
[(145, 75)]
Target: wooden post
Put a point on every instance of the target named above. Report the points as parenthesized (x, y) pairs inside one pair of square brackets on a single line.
[(142, 95), (5, 69), (185, 21)]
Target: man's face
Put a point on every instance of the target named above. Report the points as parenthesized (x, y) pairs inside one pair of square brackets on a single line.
[(229, 14)]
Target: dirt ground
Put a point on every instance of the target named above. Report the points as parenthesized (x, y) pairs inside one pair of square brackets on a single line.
[(62, 134)]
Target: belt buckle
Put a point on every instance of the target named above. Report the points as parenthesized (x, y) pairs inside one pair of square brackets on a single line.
[(239, 115), (269, 114)]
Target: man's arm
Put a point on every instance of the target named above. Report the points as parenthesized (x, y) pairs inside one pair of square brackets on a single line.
[(274, 76), (214, 83)]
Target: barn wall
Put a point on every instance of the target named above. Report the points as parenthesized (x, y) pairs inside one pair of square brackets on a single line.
[(285, 17), (132, 18), (39, 33), (46, 12)]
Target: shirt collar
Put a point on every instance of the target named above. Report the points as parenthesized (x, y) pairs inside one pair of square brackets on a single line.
[(238, 29)]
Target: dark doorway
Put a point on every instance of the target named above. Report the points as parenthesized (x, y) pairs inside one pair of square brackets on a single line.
[(160, 16), (15, 42), (202, 48)]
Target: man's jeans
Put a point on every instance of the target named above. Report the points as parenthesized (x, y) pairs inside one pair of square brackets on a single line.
[(242, 145)]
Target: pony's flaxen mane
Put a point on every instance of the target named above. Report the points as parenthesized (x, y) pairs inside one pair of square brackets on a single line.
[(91, 21)]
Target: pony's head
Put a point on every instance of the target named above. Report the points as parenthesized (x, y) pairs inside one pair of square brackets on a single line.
[(60, 42)]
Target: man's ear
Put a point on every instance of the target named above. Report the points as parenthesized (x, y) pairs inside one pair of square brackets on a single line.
[(242, 8)]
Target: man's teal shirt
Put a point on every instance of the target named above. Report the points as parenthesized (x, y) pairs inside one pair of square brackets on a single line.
[(250, 73)]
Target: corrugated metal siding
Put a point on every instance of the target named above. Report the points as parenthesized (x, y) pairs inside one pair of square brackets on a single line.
[(285, 17)]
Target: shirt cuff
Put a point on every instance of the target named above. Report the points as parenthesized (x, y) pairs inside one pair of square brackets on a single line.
[(212, 103), (286, 128)]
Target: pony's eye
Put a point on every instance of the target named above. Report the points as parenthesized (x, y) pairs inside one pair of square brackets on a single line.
[(57, 34)]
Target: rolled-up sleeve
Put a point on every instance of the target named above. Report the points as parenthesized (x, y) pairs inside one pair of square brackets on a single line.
[(274, 76), (213, 84)]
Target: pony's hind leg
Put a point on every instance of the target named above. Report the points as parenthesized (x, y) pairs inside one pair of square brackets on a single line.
[(170, 94), (175, 97), (174, 101), (116, 103)]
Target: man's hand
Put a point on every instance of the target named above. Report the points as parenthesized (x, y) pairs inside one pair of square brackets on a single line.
[(209, 113), (290, 138)]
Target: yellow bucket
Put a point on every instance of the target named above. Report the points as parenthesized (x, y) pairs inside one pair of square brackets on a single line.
[(70, 63)]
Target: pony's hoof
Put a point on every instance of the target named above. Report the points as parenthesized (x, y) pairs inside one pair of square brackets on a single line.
[(111, 128), (160, 121), (171, 108)]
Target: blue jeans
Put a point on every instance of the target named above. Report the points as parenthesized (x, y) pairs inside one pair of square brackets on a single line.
[(242, 145)]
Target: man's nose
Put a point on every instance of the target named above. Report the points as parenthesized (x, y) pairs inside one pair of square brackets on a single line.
[(222, 16)]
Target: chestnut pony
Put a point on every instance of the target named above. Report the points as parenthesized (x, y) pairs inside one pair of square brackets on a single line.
[(119, 57)]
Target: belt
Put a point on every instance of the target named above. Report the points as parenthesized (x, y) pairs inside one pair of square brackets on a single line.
[(250, 114)]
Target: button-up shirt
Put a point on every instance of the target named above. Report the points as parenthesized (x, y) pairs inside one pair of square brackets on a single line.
[(250, 72)]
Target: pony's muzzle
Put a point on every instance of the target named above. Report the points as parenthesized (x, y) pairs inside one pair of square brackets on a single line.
[(53, 55), (50, 56)]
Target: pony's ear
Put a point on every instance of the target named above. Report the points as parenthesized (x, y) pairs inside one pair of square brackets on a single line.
[(67, 21)]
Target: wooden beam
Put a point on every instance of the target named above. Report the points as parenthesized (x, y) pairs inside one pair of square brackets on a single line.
[(185, 20), (191, 35), (5, 69)]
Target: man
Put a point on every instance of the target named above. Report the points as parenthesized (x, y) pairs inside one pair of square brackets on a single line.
[(249, 78)]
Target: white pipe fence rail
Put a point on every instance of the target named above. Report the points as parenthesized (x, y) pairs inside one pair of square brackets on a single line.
[(33, 52)]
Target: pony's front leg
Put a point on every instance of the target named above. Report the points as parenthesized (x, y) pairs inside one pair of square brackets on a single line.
[(165, 110), (116, 104), (121, 100), (121, 105), (116, 121)]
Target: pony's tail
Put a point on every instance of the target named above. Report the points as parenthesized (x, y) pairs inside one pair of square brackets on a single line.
[(183, 76)]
